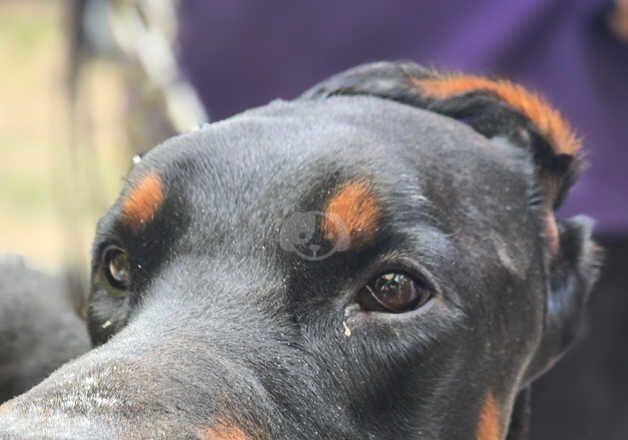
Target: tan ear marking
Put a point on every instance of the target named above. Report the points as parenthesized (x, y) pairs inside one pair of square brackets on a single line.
[(549, 122), (490, 420), (356, 205), (143, 201)]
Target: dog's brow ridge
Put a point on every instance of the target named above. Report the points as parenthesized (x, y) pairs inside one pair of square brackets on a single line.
[(143, 201), (358, 207)]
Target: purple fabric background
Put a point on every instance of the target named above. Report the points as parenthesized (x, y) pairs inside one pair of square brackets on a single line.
[(241, 54)]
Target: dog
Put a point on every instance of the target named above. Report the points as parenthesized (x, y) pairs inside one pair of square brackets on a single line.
[(376, 259), (40, 327)]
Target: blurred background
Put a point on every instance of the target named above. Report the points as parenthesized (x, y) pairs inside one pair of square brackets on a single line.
[(40, 195), (86, 84)]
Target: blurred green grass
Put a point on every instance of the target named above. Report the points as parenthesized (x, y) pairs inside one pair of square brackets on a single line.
[(49, 200)]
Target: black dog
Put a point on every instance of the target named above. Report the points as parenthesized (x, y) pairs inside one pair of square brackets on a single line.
[(40, 328), (378, 259)]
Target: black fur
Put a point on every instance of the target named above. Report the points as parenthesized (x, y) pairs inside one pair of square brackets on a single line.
[(224, 327), (39, 327)]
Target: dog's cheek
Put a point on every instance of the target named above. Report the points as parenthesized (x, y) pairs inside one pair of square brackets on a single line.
[(489, 424), (105, 316)]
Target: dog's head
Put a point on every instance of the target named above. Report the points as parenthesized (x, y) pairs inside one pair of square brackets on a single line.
[(376, 259)]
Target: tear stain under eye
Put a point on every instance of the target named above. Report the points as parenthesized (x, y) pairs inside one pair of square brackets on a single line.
[(347, 330)]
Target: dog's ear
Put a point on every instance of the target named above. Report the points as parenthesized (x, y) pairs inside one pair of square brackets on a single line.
[(506, 112), (494, 108), (573, 269)]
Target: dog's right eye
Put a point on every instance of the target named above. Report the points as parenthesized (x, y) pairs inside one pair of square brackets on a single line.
[(393, 293), (116, 267)]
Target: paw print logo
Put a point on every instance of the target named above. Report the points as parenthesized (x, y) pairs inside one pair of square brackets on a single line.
[(300, 234)]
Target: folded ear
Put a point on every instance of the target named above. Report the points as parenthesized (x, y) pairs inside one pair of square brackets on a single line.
[(573, 270), (494, 108), (508, 112)]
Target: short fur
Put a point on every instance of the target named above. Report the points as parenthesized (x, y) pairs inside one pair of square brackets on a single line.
[(224, 325), (40, 329)]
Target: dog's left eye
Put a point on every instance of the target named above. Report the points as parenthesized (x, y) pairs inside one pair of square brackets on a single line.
[(393, 293), (116, 266)]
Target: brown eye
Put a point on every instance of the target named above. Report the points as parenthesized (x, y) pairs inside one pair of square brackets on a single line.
[(117, 267), (393, 293)]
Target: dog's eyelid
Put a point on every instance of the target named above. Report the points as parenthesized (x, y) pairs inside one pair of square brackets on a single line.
[(116, 267), (393, 263), (102, 244), (393, 292), (399, 263)]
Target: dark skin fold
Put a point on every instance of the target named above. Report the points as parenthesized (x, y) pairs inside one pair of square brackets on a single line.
[(452, 290)]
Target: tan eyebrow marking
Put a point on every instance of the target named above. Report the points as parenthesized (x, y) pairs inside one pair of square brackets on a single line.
[(359, 209), (490, 416), (141, 204), (547, 120), (223, 431)]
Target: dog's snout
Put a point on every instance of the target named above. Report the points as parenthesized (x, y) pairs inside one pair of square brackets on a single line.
[(92, 404), (112, 393), (72, 403), (21, 419)]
